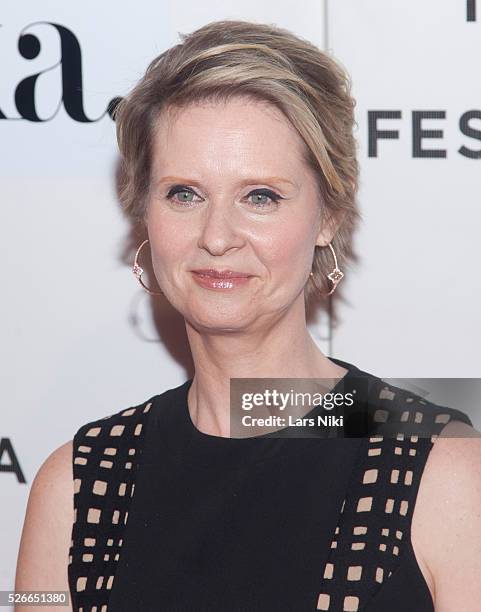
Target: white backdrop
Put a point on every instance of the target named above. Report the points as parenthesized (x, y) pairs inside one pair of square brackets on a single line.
[(79, 338), (412, 306)]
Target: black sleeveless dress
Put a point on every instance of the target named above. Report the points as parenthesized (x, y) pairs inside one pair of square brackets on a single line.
[(168, 518)]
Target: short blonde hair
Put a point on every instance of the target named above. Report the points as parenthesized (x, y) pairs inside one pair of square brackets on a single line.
[(264, 62)]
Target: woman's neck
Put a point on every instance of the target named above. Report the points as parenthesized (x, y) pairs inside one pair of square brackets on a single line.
[(220, 357)]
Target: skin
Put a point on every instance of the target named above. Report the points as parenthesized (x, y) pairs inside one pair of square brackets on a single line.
[(446, 524), (257, 330), (45, 540)]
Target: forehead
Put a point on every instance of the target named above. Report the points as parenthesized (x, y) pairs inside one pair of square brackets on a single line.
[(240, 134)]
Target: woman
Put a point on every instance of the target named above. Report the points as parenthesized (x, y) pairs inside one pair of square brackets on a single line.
[(240, 160)]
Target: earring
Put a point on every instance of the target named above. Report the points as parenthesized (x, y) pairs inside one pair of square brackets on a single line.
[(336, 275), (138, 271)]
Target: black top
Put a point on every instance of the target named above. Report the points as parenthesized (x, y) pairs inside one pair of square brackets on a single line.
[(247, 524)]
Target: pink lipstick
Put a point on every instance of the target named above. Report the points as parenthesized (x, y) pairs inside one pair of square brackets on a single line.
[(220, 279)]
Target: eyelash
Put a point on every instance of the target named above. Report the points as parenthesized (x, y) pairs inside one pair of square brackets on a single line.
[(275, 197)]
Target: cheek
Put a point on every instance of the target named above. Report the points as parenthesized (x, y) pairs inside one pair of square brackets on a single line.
[(288, 249), (168, 238)]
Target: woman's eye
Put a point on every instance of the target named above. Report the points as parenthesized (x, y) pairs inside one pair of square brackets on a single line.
[(183, 194), (264, 198)]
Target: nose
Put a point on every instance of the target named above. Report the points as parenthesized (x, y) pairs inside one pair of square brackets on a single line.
[(218, 231)]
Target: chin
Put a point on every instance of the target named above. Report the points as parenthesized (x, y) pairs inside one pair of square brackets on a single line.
[(214, 322)]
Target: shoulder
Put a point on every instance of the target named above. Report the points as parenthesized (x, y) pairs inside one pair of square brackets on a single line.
[(51, 490), (47, 524), (54, 476), (447, 519), (53, 497), (57, 465)]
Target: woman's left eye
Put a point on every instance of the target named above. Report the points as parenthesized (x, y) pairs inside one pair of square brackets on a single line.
[(263, 198)]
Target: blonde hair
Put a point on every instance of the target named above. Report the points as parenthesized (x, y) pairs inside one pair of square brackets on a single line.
[(264, 62)]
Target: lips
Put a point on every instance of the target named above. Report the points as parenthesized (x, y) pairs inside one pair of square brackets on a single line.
[(211, 273)]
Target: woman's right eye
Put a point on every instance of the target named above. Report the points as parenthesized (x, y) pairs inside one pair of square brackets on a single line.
[(185, 194)]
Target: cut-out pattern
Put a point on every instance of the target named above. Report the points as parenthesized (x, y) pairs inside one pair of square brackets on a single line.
[(374, 522), (105, 462)]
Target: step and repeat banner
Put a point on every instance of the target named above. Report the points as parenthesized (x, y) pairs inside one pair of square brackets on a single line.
[(412, 305), (81, 340)]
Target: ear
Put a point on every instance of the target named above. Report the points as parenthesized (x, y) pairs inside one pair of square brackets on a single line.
[(329, 228)]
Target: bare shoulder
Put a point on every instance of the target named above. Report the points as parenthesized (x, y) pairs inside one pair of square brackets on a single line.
[(446, 523), (47, 526)]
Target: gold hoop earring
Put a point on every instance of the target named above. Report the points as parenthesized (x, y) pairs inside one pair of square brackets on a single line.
[(336, 275), (138, 271)]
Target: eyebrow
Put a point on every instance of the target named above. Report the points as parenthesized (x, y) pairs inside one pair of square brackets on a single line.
[(249, 181)]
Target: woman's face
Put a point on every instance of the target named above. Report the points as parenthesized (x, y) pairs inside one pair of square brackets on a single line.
[(230, 191)]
